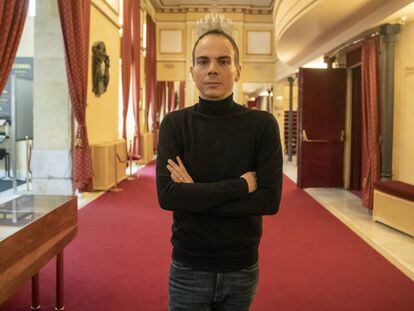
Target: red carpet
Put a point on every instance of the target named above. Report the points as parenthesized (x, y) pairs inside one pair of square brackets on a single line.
[(309, 260)]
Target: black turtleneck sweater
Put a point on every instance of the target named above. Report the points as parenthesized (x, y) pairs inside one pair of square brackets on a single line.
[(217, 223)]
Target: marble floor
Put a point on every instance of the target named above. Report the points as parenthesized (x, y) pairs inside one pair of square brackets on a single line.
[(397, 247), (84, 198), (394, 245)]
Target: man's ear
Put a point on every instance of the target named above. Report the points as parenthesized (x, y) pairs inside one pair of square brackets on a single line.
[(192, 72), (238, 71)]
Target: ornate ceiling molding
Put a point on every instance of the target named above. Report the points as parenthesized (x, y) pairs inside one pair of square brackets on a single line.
[(160, 7), (307, 29)]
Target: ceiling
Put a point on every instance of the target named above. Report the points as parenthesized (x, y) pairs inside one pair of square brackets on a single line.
[(305, 32), (406, 14), (246, 6), (255, 89)]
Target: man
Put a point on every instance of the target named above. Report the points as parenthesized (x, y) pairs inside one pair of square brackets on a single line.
[(219, 169)]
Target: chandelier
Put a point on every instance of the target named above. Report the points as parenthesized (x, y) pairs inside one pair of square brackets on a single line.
[(213, 20)]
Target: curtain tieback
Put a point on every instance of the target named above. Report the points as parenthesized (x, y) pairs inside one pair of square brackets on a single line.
[(79, 136), (368, 175), (78, 142)]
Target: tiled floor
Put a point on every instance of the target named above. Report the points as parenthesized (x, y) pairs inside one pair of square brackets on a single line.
[(397, 247)]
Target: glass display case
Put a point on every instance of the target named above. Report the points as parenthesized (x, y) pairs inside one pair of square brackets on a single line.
[(33, 230)]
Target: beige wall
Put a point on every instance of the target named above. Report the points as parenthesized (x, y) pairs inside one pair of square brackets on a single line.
[(258, 71), (403, 151), (102, 113), (172, 70), (175, 66), (281, 103)]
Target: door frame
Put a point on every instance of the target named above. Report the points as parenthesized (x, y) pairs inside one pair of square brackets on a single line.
[(348, 127), (300, 125)]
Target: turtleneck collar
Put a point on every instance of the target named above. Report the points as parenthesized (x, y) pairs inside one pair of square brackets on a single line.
[(216, 107)]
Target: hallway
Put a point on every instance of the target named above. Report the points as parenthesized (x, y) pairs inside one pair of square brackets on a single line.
[(309, 260), (86, 85), (397, 247)]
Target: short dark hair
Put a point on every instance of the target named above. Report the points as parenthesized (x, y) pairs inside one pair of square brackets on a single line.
[(223, 34)]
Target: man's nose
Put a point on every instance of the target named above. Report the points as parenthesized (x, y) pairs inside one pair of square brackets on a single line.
[(212, 69)]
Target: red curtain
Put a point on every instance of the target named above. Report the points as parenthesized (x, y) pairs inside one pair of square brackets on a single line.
[(126, 55), (161, 99), (150, 71), (171, 96), (151, 77), (371, 160), (136, 75), (181, 101), (12, 17), (75, 18), (253, 104)]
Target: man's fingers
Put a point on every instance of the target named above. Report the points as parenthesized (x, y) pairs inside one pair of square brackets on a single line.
[(175, 178), (179, 170), (173, 164), (181, 164), (175, 172), (171, 169)]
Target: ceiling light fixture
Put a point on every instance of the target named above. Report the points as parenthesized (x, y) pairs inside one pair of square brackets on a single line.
[(213, 20), (402, 20)]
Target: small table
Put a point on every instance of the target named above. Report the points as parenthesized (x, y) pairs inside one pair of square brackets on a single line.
[(33, 230)]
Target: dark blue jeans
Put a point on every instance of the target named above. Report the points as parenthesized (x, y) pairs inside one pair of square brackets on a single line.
[(191, 290)]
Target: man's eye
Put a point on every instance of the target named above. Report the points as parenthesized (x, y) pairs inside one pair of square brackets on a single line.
[(202, 62), (224, 62)]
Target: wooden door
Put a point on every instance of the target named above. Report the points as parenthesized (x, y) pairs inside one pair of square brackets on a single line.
[(322, 102)]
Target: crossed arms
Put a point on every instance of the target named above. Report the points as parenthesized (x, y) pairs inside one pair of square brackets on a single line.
[(253, 194)]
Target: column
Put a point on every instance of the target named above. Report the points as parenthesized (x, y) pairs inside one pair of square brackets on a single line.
[(389, 33), (51, 156)]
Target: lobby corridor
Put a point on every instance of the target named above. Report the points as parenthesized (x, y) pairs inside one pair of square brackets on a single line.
[(309, 259)]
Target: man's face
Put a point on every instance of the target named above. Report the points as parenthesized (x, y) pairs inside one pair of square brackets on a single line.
[(214, 71)]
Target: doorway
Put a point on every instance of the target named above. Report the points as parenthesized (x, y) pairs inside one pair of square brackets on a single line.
[(356, 132), (321, 122)]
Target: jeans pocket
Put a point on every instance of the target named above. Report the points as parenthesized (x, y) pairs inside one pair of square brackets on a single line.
[(253, 268), (179, 266)]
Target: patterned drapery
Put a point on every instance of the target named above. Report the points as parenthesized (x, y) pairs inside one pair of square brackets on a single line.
[(75, 20), (126, 55), (371, 160), (181, 96), (12, 17), (151, 78), (161, 99), (136, 74), (171, 96)]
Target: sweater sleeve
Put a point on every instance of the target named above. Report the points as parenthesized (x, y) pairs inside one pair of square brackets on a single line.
[(194, 197), (266, 199)]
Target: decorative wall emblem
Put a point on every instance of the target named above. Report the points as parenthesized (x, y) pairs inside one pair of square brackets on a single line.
[(100, 68)]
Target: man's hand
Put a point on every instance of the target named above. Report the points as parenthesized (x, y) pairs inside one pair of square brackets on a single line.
[(251, 180), (178, 171)]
